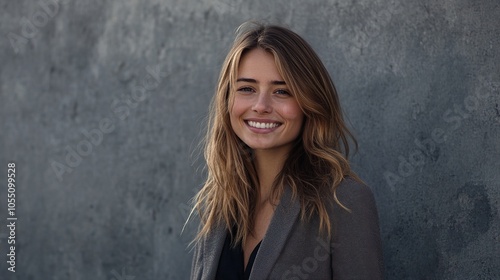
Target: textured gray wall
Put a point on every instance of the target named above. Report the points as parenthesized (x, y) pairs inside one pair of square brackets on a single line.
[(102, 103)]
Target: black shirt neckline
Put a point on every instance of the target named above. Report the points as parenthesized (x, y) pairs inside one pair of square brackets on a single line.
[(231, 261)]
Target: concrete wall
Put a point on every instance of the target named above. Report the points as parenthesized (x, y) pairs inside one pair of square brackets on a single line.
[(102, 103)]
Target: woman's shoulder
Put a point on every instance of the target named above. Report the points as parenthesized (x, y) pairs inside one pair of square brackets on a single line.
[(350, 185), (357, 252), (353, 193)]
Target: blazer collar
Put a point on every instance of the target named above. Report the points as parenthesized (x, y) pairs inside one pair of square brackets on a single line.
[(279, 229), (276, 236), (212, 249)]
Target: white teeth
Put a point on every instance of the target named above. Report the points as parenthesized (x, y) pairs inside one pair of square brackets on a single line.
[(262, 125)]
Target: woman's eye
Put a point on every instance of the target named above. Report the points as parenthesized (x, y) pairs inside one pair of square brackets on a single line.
[(282, 92), (245, 89)]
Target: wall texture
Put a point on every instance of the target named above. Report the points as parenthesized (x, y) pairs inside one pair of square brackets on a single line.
[(102, 104)]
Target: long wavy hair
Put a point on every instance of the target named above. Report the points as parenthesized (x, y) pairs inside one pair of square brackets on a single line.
[(317, 162)]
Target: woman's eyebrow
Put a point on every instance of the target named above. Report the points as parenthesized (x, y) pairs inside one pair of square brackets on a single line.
[(278, 83), (248, 80)]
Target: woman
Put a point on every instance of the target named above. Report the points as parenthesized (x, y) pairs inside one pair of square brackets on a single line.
[(280, 200)]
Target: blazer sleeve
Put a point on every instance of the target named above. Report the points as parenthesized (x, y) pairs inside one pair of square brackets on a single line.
[(356, 244), (197, 264)]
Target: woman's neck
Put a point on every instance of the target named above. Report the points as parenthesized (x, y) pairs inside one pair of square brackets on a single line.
[(268, 164)]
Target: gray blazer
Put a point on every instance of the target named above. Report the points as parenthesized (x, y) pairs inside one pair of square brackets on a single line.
[(292, 249)]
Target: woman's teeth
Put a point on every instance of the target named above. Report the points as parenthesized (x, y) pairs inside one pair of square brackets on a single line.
[(262, 125)]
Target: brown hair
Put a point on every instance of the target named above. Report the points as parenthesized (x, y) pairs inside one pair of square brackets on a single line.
[(317, 162)]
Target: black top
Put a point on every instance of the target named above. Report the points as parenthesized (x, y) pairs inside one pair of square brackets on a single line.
[(231, 262)]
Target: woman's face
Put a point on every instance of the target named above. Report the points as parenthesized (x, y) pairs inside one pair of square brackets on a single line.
[(264, 113)]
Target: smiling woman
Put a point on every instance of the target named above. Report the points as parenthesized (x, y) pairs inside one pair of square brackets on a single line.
[(263, 113), (280, 200)]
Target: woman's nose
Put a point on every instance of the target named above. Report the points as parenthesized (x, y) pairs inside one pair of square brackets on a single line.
[(262, 103)]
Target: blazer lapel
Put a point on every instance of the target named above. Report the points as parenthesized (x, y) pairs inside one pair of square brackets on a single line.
[(284, 217), (212, 249)]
